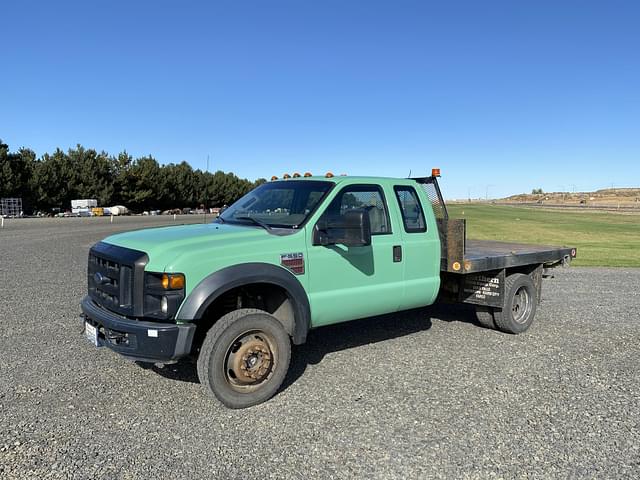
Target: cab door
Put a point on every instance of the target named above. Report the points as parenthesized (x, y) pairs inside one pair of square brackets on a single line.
[(420, 248), (355, 282)]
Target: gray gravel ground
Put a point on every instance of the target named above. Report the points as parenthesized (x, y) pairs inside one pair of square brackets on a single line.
[(415, 395)]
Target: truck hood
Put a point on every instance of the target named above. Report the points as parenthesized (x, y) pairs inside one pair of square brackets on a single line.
[(170, 242)]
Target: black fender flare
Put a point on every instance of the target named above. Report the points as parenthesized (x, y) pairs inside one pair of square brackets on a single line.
[(214, 285)]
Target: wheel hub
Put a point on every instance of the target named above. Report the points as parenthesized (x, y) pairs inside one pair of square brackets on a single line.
[(252, 360), (521, 305)]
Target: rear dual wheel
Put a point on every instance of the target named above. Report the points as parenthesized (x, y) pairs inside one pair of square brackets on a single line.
[(244, 358), (521, 298), (484, 315)]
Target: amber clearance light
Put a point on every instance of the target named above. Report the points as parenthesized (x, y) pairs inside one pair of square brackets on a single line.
[(172, 281)]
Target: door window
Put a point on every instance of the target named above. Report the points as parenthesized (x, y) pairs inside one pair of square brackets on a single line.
[(367, 197)]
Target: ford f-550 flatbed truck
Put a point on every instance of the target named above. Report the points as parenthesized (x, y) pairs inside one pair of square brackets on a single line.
[(292, 255)]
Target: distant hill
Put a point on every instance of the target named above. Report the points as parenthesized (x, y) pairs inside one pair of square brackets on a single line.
[(605, 197)]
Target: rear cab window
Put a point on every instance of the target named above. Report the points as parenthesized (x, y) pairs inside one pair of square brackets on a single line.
[(411, 209)]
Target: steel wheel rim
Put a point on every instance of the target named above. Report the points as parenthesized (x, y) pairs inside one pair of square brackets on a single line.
[(521, 306), (250, 361)]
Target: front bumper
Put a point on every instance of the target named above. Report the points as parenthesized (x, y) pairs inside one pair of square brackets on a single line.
[(137, 339)]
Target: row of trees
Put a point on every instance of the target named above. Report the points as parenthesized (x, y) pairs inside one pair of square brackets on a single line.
[(53, 180)]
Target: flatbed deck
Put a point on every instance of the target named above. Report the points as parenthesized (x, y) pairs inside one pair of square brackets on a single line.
[(484, 255), (460, 255)]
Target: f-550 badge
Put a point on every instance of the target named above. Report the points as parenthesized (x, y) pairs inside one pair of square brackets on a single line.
[(294, 262)]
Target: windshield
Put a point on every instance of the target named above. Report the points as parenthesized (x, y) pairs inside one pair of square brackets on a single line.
[(284, 204)]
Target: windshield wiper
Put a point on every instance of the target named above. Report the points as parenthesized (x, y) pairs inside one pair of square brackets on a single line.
[(256, 221)]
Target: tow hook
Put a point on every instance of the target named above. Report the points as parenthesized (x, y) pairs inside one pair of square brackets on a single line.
[(116, 338)]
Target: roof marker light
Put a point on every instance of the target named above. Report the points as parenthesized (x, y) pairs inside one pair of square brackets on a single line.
[(296, 175), (286, 176), (274, 178), (329, 175), (308, 174), (435, 172)]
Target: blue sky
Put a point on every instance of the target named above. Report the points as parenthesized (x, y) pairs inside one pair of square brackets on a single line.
[(503, 96)]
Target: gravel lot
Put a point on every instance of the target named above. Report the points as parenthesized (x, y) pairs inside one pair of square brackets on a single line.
[(415, 395)]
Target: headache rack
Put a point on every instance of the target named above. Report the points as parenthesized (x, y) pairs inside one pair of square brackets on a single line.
[(452, 231)]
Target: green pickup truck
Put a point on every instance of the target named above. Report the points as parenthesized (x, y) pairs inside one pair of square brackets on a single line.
[(292, 255)]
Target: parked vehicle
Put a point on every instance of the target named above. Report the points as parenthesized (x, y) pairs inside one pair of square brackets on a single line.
[(293, 255), (83, 207), (118, 210)]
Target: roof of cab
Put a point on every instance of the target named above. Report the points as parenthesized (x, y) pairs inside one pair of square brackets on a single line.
[(349, 179)]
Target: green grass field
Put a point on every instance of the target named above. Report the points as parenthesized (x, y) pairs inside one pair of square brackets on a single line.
[(602, 239)]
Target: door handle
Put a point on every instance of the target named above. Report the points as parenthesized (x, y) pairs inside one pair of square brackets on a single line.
[(397, 253)]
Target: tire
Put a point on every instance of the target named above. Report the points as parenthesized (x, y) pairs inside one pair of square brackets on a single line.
[(520, 305), (244, 358), (484, 316)]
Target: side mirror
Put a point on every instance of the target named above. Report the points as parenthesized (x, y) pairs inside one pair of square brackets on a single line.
[(352, 229)]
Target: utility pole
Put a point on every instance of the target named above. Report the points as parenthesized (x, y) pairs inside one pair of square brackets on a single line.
[(206, 192), (562, 190), (486, 193)]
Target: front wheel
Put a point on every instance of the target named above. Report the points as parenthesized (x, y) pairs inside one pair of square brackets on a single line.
[(521, 298), (244, 358)]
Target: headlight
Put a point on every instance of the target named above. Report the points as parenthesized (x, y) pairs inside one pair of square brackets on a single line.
[(163, 294), (164, 305)]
